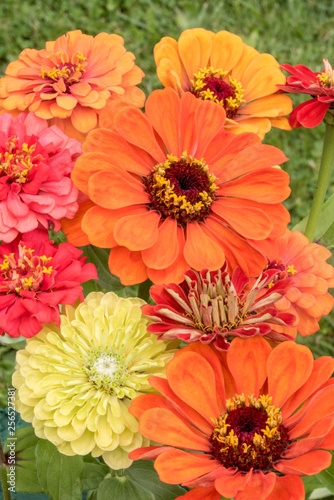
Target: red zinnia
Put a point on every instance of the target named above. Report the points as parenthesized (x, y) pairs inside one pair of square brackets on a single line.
[(172, 190), (320, 86), (253, 420), (215, 307), (35, 166), (35, 277)]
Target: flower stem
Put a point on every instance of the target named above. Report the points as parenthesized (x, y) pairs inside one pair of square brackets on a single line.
[(144, 290), (327, 161), (3, 473)]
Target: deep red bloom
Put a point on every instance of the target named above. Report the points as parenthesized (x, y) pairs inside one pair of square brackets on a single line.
[(36, 162), (320, 86), (35, 277), (216, 306)]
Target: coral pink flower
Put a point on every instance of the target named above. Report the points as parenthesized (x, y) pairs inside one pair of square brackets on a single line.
[(304, 265), (35, 166), (35, 277), (320, 86), (244, 424), (71, 80), (215, 307)]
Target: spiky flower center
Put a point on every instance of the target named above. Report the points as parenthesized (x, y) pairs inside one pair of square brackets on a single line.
[(27, 272), (106, 369), (285, 271), (326, 78), (16, 162), (249, 436), (65, 71), (182, 188), (218, 86)]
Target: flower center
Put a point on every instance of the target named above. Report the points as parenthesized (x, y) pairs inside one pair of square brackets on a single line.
[(65, 71), (181, 188), (285, 271), (249, 436), (25, 273), (326, 78), (106, 369), (15, 162), (216, 85)]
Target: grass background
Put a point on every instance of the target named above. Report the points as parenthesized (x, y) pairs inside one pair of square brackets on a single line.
[(293, 31)]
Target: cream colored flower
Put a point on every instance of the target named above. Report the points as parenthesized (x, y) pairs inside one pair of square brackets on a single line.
[(75, 384)]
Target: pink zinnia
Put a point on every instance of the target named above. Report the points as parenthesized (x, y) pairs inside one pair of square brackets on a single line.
[(35, 277), (216, 306), (36, 162)]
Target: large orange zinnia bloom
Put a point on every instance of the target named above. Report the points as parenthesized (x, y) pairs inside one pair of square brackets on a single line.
[(172, 190), (304, 264), (221, 68), (252, 421), (71, 80)]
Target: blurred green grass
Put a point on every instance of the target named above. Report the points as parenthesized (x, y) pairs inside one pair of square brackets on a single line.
[(293, 31)]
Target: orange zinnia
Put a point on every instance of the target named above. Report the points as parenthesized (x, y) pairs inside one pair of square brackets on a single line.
[(252, 420), (304, 264), (221, 68), (173, 190), (70, 80)]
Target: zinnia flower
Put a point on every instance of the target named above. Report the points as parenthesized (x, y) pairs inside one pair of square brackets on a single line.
[(35, 166), (215, 307), (221, 68), (172, 190), (304, 265), (75, 384), (71, 80), (252, 420), (320, 86), (35, 277)]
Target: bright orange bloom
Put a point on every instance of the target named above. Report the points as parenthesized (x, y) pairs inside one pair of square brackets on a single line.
[(305, 265), (71, 80), (253, 420), (174, 191), (221, 68)]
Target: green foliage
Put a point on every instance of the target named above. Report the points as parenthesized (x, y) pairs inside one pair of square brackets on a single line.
[(326, 477)]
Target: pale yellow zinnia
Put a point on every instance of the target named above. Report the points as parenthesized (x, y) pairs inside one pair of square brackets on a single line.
[(75, 383)]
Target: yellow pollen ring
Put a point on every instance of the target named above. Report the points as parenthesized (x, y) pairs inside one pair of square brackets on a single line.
[(77, 62)]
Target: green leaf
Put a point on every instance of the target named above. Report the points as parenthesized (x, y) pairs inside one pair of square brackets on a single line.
[(327, 239), (326, 477), (58, 474), (325, 221), (93, 473), (138, 482), (24, 443)]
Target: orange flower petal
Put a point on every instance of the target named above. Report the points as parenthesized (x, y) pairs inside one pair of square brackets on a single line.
[(147, 401), (210, 120), (314, 440), (263, 83), (72, 227), (83, 119), (87, 165), (127, 265), (273, 106), (288, 487), (229, 486), (306, 465), (130, 119), (168, 126), (164, 426), (201, 493), (269, 185), (204, 38), (247, 361), (201, 248), (138, 231), (66, 101), (193, 380), (116, 190), (166, 249), (254, 66), (289, 366), (189, 50), (176, 466), (258, 486), (227, 50), (238, 218)]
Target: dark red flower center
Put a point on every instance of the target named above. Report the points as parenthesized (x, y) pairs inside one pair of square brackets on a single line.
[(249, 437), (16, 162), (26, 272), (216, 85), (286, 270), (181, 188)]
